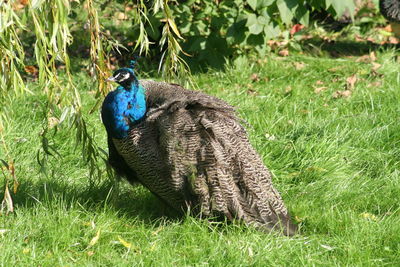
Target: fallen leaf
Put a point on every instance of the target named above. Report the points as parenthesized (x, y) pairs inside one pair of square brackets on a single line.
[(388, 28), (299, 65), (298, 219), (359, 38), (7, 202), (52, 122), (372, 56), (283, 53), (94, 239), (124, 243), (90, 253), (320, 89), (364, 59), (250, 251), (369, 216), (334, 69), (252, 92), (319, 82), (254, 77), (375, 66), (375, 84), (270, 137), (327, 247), (351, 81), (32, 70), (338, 94), (121, 16)]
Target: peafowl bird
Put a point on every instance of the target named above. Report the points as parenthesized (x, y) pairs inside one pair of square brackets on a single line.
[(390, 9), (190, 150)]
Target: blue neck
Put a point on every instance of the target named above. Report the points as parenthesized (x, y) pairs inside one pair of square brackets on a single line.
[(123, 108)]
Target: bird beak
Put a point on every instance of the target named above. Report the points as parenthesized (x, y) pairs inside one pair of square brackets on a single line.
[(111, 79)]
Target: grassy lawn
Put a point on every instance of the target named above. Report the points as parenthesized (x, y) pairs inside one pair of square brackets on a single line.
[(335, 156)]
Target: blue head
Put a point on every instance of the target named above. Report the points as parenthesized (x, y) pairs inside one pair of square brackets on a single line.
[(126, 105), (125, 76)]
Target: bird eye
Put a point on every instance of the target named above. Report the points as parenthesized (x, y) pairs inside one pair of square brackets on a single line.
[(117, 76)]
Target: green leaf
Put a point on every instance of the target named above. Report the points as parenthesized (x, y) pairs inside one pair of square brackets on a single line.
[(287, 9), (302, 15), (264, 3), (328, 3), (254, 25), (252, 4), (340, 6), (271, 30)]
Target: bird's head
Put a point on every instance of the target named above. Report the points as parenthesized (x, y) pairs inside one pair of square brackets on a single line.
[(124, 76)]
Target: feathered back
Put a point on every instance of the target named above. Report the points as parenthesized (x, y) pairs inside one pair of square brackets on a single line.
[(192, 152), (390, 9)]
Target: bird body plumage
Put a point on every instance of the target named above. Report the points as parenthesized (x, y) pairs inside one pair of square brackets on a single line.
[(191, 151), (390, 9)]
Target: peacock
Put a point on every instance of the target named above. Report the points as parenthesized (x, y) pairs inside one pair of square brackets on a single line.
[(390, 9), (189, 149)]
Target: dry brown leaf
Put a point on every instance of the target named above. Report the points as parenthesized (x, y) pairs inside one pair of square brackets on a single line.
[(32, 70), (288, 89), (359, 38), (121, 16), (254, 77), (393, 40), (52, 122), (299, 65), (351, 81), (375, 66), (364, 59), (388, 28), (252, 92), (284, 53), (320, 89), (346, 93), (334, 69), (370, 39), (372, 56), (319, 82), (339, 94), (90, 253), (375, 84)]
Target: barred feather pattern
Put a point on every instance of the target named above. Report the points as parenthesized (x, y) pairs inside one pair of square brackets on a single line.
[(192, 152), (390, 9)]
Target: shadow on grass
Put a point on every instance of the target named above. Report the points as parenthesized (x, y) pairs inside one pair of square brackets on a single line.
[(134, 202), (337, 49)]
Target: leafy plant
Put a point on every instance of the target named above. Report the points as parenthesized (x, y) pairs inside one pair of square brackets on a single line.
[(215, 30)]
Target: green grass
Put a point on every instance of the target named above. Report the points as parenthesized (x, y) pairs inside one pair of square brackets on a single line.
[(335, 162)]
